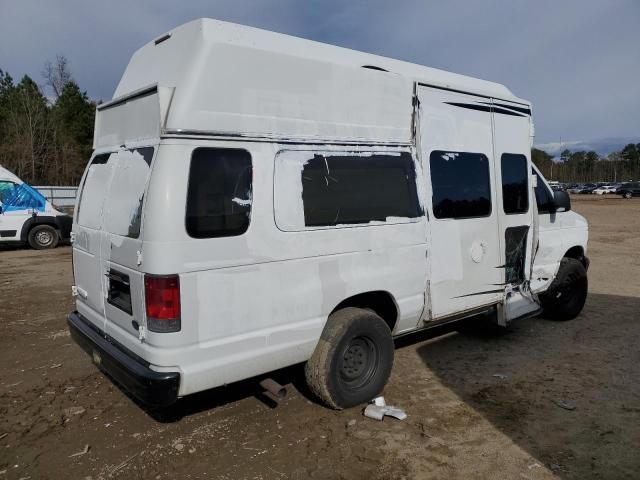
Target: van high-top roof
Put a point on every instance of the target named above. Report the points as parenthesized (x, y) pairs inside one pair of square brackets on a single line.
[(223, 78)]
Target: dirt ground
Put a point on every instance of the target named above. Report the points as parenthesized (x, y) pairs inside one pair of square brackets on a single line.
[(544, 400)]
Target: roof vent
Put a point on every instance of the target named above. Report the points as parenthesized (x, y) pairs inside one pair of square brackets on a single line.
[(162, 38), (373, 67)]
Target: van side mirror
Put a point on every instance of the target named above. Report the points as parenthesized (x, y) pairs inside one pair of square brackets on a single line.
[(561, 201)]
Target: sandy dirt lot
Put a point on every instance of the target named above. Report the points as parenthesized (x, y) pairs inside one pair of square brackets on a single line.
[(544, 400)]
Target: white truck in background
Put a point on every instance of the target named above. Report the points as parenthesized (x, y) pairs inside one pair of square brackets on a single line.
[(27, 217)]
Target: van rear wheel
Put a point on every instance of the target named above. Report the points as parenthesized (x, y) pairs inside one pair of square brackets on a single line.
[(352, 361), (566, 296), (43, 236)]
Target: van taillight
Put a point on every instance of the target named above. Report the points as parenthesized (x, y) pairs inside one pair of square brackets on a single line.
[(162, 299)]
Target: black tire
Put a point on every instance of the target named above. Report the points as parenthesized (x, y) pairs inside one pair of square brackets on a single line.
[(627, 195), (352, 361), (43, 236), (567, 294)]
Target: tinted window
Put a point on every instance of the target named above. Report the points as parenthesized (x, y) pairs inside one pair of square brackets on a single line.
[(460, 184), (544, 199), (219, 196), (515, 183), (352, 189)]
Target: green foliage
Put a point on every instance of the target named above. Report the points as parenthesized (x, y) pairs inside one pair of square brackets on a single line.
[(543, 161), (75, 114), (45, 143)]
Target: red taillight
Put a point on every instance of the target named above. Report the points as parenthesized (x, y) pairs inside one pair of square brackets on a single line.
[(162, 299)]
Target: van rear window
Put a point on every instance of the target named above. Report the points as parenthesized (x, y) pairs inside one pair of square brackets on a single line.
[(113, 190), (219, 195)]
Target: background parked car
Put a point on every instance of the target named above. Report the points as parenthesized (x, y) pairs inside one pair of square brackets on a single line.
[(588, 188), (605, 189), (631, 189)]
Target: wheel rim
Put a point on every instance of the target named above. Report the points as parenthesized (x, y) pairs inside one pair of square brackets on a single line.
[(574, 294), (359, 362), (44, 237)]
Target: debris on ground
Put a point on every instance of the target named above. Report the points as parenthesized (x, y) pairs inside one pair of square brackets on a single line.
[(81, 452), (564, 404), (378, 408)]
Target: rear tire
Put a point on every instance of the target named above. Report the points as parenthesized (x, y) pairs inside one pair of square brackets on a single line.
[(627, 195), (352, 361), (42, 237), (566, 296)]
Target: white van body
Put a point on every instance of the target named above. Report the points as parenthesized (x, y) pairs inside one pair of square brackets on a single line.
[(22, 209), (257, 299)]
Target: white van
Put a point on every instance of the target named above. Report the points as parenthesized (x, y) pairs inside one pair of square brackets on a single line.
[(257, 200), (27, 217)]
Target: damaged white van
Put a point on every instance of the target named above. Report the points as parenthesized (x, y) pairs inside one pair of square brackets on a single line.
[(257, 200), (27, 217)]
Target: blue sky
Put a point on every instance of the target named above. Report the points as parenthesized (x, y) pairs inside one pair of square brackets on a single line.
[(578, 61)]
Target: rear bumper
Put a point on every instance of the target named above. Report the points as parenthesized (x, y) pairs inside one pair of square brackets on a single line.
[(126, 368)]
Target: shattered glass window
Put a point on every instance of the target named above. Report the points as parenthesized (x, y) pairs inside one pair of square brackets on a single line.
[(15, 197), (515, 253), (339, 189), (6, 191), (219, 195), (515, 183), (460, 184)]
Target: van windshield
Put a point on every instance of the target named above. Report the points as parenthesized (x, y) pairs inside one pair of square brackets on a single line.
[(113, 191)]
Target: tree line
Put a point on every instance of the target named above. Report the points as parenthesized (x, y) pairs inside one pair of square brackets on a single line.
[(583, 167), (47, 140)]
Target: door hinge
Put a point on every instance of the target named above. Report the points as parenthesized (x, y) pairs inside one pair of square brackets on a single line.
[(139, 257), (72, 237), (77, 291)]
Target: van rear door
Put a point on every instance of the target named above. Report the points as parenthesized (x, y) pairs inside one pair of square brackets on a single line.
[(107, 250)]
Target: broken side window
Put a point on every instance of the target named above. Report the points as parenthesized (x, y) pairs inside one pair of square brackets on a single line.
[(460, 184), (357, 189), (515, 253), (219, 195), (515, 183)]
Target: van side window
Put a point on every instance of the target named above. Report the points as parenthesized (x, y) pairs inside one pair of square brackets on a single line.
[(515, 183), (460, 184), (321, 189), (544, 199), (219, 195), (340, 189)]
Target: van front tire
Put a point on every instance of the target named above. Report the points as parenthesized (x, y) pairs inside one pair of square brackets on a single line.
[(43, 236), (566, 296), (352, 361)]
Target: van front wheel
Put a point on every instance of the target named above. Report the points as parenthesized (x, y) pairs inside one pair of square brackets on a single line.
[(352, 361), (567, 294), (43, 236)]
